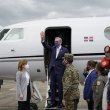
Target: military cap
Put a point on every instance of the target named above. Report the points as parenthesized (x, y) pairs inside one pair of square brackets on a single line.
[(107, 49), (68, 56)]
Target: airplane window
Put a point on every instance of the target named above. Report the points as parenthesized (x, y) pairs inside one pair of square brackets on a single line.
[(3, 33), (107, 33), (15, 34)]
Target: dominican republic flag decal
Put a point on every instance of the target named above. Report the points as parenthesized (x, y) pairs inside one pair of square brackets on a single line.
[(88, 39)]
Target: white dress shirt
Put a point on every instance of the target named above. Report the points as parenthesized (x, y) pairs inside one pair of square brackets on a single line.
[(57, 51), (90, 71), (27, 77), (109, 74)]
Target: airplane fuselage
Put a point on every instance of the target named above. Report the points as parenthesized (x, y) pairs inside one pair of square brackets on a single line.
[(87, 43)]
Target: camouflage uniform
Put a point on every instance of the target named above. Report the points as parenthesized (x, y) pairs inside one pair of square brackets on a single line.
[(70, 82)]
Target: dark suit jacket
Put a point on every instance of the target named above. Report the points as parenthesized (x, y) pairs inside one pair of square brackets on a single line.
[(88, 93), (57, 63)]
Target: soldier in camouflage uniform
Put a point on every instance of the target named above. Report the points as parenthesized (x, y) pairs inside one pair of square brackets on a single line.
[(98, 86), (70, 82)]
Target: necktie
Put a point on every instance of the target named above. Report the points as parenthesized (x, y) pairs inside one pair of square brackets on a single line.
[(108, 96)]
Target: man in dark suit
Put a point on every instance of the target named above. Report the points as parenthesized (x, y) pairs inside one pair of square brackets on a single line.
[(91, 76), (56, 67)]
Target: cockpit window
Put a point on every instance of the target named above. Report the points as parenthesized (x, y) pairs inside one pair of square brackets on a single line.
[(15, 34), (3, 33)]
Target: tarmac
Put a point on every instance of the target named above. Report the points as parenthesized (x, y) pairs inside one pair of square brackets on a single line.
[(8, 93)]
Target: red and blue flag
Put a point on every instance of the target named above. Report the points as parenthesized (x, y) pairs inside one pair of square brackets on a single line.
[(88, 39)]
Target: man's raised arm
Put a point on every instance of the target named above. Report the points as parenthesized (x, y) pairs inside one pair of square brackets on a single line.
[(43, 43)]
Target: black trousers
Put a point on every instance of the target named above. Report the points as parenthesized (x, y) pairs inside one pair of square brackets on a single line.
[(25, 105), (56, 78), (91, 105), (100, 108)]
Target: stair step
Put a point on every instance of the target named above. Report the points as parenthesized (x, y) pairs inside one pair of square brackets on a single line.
[(57, 98), (57, 93), (56, 87), (55, 108), (50, 90), (56, 101)]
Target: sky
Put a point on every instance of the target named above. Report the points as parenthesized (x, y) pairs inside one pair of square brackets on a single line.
[(16, 11)]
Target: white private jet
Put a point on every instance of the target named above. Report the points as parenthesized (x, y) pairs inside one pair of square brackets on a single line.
[(84, 37)]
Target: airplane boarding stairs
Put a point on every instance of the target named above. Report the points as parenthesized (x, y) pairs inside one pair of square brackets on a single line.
[(48, 96)]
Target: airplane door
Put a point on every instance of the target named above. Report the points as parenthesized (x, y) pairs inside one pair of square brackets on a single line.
[(63, 32)]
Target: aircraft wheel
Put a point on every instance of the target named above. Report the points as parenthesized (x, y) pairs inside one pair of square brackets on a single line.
[(33, 106)]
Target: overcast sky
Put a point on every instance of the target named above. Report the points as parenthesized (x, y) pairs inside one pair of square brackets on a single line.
[(15, 11)]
